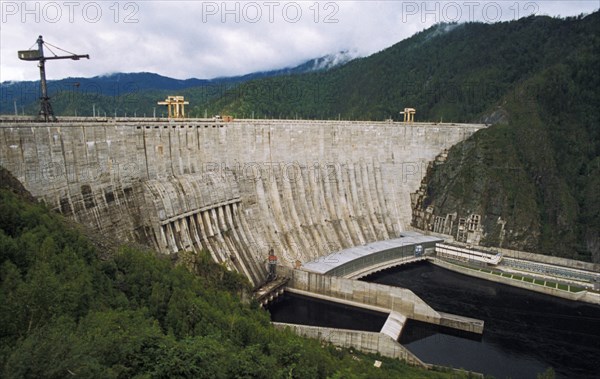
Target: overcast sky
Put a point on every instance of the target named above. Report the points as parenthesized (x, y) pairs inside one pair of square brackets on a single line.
[(206, 39)]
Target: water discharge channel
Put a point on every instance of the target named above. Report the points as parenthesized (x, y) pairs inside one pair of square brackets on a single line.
[(525, 332), (298, 309)]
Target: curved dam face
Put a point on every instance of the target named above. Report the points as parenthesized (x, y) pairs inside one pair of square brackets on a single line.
[(237, 189)]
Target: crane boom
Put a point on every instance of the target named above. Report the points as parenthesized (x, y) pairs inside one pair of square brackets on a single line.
[(46, 112)]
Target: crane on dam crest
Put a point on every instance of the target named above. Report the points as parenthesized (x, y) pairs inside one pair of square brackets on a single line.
[(46, 113), (175, 105), (409, 115)]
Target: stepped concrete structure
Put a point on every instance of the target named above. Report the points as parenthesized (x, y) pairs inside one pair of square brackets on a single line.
[(234, 189)]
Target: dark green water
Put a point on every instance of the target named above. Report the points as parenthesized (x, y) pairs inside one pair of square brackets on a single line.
[(525, 332), (296, 309)]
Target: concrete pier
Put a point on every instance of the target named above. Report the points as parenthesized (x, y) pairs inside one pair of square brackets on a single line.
[(393, 325), (270, 291), (368, 342)]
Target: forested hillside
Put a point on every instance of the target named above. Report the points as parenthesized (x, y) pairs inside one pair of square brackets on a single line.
[(64, 312), (540, 171), (449, 72), (537, 79)]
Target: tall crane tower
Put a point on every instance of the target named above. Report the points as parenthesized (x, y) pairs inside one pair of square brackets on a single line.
[(46, 113)]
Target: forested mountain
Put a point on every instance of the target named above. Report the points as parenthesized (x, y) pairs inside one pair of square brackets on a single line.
[(71, 308), (534, 175), (452, 72), (136, 93), (539, 172)]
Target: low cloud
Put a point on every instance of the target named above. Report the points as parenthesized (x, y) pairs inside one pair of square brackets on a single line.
[(206, 39)]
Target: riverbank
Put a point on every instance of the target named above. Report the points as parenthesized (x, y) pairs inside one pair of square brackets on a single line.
[(523, 280)]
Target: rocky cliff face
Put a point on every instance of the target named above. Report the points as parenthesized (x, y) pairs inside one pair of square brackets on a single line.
[(478, 197), (531, 182)]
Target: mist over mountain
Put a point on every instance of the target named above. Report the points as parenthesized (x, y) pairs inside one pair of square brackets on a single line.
[(449, 72)]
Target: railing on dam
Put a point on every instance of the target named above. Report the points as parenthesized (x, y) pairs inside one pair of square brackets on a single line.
[(376, 255), (74, 120), (547, 269)]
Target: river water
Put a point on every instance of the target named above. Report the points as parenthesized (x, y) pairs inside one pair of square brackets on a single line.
[(297, 309), (524, 334)]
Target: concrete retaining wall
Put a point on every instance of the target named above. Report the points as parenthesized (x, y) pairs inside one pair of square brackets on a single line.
[(558, 261), (368, 342), (571, 263), (379, 297), (577, 296)]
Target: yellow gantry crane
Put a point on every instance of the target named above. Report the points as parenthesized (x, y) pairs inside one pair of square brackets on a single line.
[(176, 106), (46, 112), (409, 115)]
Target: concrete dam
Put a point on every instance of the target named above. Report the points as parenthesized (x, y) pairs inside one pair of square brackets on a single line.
[(234, 189)]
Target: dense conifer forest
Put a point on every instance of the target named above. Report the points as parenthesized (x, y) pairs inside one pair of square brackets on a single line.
[(69, 308)]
